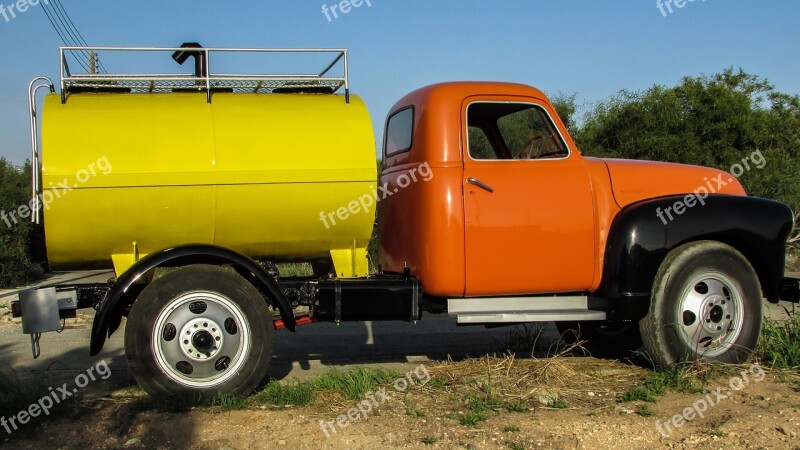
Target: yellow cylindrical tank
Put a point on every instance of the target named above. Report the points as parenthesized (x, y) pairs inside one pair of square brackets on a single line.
[(124, 175)]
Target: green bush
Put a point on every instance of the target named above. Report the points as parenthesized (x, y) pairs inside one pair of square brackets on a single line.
[(16, 234), (714, 121)]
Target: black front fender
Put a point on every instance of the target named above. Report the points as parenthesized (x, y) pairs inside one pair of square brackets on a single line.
[(643, 234), (127, 287)]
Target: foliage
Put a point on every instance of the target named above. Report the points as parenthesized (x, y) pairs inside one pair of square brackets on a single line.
[(296, 394), (714, 121), (16, 234), (354, 383), (779, 345), (660, 382)]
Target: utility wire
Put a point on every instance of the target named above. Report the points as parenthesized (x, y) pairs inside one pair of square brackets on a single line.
[(65, 36), (76, 33), (63, 13), (61, 35), (69, 34)]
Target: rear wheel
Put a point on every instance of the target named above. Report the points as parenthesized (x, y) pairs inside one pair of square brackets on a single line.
[(705, 305), (199, 329)]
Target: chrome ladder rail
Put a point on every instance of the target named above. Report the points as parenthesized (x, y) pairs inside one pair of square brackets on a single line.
[(36, 166)]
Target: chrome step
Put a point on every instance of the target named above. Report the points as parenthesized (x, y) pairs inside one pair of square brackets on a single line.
[(522, 309)]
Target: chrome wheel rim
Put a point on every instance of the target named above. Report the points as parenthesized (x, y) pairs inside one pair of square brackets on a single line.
[(711, 314), (201, 339)]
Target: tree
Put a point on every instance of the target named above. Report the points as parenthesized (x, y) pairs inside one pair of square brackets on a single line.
[(715, 121), (16, 235)]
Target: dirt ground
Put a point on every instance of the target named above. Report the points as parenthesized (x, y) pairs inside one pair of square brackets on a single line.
[(568, 403)]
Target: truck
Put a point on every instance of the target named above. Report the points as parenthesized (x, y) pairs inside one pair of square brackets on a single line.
[(194, 186)]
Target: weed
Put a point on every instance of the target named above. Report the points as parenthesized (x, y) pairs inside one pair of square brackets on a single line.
[(524, 337), (645, 411), (291, 270), (511, 429), (436, 383), (558, 403), (429, 440), (659, 382), (415, 413), (484, 403), (355, 383), (227, 402), (517, 407), (779, 345), (281, 395), (515, 446), (473, 418)]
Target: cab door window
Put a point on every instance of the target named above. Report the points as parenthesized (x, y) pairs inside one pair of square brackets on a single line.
[(502, 131)]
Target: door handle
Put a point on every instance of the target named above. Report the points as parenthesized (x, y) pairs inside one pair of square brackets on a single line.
[(480, 184)]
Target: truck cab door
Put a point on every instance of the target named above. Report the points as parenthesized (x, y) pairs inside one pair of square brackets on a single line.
[(528, 204)]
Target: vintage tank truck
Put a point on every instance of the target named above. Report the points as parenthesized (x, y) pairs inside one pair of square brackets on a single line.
[(193, 186)]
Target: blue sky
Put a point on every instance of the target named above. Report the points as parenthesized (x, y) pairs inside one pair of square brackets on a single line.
[(590, 48)]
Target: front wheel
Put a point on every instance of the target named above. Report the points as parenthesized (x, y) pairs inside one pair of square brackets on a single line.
[(705, 305), (199, 329)]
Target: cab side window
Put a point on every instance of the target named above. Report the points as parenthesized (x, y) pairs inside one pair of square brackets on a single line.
[(499, 131), (399, 132)]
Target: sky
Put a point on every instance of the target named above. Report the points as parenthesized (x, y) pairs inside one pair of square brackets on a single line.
[(589, 48)]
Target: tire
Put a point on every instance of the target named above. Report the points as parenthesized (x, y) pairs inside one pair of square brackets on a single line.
[(603, 339), (705, 305), (227, 329)]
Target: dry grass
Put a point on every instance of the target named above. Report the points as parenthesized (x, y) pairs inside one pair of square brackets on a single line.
[(577, 382)]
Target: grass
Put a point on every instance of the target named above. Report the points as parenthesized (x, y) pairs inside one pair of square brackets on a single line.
[(288, 394), (779, 345), (436, 383), (479, 407), (429, 440), (290, 270), (473, 417), (645, 411), (511, 429), (353, 384), (517, 407), (558, 403), (515, 446), (418, 413), (659, 382)]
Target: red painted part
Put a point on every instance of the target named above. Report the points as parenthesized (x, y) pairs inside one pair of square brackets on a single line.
[(302, 320)]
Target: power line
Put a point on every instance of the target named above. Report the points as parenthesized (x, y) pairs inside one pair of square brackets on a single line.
[(80, 38), (69, 34), (68, 26), (72, 24), (61, 35)]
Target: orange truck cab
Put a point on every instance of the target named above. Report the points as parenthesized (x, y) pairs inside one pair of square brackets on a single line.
[(513, 224), (486, 211)]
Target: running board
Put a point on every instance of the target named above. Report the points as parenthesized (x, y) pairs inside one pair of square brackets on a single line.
[(522, 309)]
